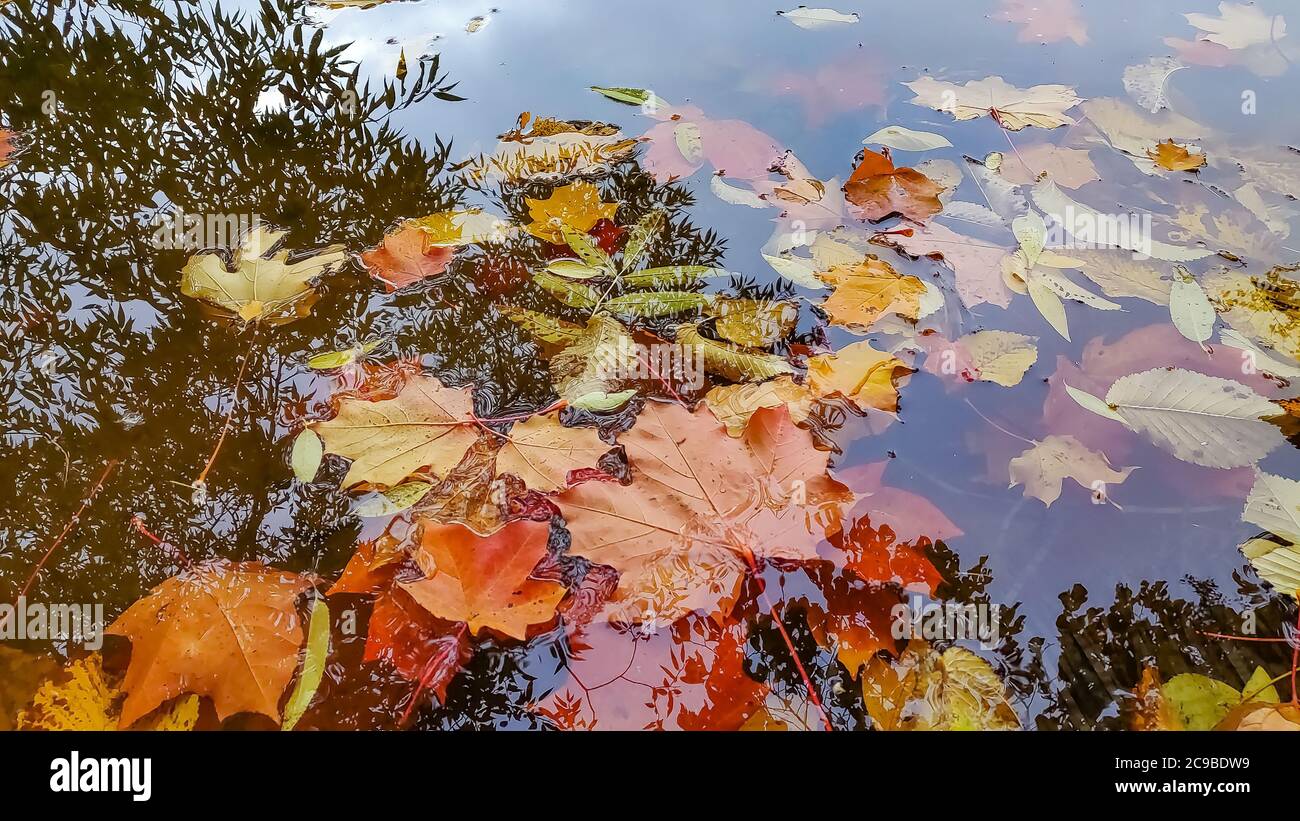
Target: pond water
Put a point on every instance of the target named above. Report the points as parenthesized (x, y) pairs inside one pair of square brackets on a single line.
[(118, 384)]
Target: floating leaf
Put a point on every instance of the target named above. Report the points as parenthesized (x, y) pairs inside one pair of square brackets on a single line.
[(313, 664), (1276, 563), (392, 501), (905, 139), (865, 292), (1190, 308), (224, 630), (1274, 504), (754, 323), (425, 425), (1000, 357), (573, 294), (1042, 106), (256, 284), (1044, 466), (485, 581), (1146, 82), (576, 206), (308, 451), (806, 18), (1200, 419), (652, 304), (1171, 156), (1050, 199), (882, 190), (631, 96), (734, 363), (542, 452)]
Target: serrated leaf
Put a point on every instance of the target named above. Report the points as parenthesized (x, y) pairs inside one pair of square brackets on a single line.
[(1274, 505), (753, 323), (732, 362), (1093, 403), (670, 276), (1200, 419), (734, 195), (1276, 563), (543, 327), (622, 94), (586, 248), (573, 294), (1190, 308), (642, 234), (650, 304), (574, 269)]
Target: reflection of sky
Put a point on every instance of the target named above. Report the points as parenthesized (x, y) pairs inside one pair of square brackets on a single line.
[(821, 92)]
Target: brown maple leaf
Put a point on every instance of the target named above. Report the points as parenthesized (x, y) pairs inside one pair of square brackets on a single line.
[(225, 630), (407, 256), (881, 190), (485, 581)]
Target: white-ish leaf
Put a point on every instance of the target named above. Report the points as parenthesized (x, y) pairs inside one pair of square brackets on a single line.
[(1190, 308), (735, 196), (1239, 26), (1031, 232), (1043, 106), (905, 139), (689, 141), (1000, 357), (1049, 305), (799, 270), (1277, 564), (972, 212), (1094, 403), (1261, 360), (1066, 289), (806, 18), (1200, 419), (1274, 505), (1044, 466)]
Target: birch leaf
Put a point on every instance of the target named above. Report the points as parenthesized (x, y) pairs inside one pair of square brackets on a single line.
[(308, 450), (1276, 563), (1095, 404), (1000, 357)]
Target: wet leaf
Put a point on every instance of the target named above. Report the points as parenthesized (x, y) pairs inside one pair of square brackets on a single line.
[(679, 533), (881, 190), (1171, 156), (1274, 504), (426, 425), (392, 501), (577, 206), (225, 630), (1200, 419), (1044, 466), (485, 581), (865, 292), (631, 96), (313, 664), (806, 18), (754, 323), (905, 139), (82, 697), (308, 451), (1265, 309), (651, 304), (733, 362), (1050, 199), (1042, 106), (1190, 308), (257, 284), (542, 452), (1146, 82)]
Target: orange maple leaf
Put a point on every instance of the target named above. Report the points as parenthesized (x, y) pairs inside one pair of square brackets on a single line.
[(881, 190), (1171, 156), (484, 580), (406, 257), (702, 505), (868, 290), (225, 630)]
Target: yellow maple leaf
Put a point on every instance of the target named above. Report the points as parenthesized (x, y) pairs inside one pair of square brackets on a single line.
[(577, 205), (1171, 156), (868, 290)]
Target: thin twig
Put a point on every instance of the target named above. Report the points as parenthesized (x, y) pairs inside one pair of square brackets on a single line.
[(109, 467)]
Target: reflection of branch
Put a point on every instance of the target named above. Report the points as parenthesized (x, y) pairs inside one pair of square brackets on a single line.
[(109, 467)]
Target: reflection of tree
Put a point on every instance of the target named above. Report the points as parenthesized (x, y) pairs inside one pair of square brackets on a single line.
[(155, 108), (1100, 652)]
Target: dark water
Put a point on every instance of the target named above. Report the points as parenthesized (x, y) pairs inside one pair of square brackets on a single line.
[(167, 112)]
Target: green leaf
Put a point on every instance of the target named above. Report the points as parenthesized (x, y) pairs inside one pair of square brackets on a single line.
[(1200, 701), (313, 664), (586, 249), (658, 303), (631, 96), (391, 501), (638, 242), (573, 269), (1259, 687), (754, 323), (543, 327), (674, 276), (305, 458), (331, 360), (733, 362), (601, 402), (573, 294)]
